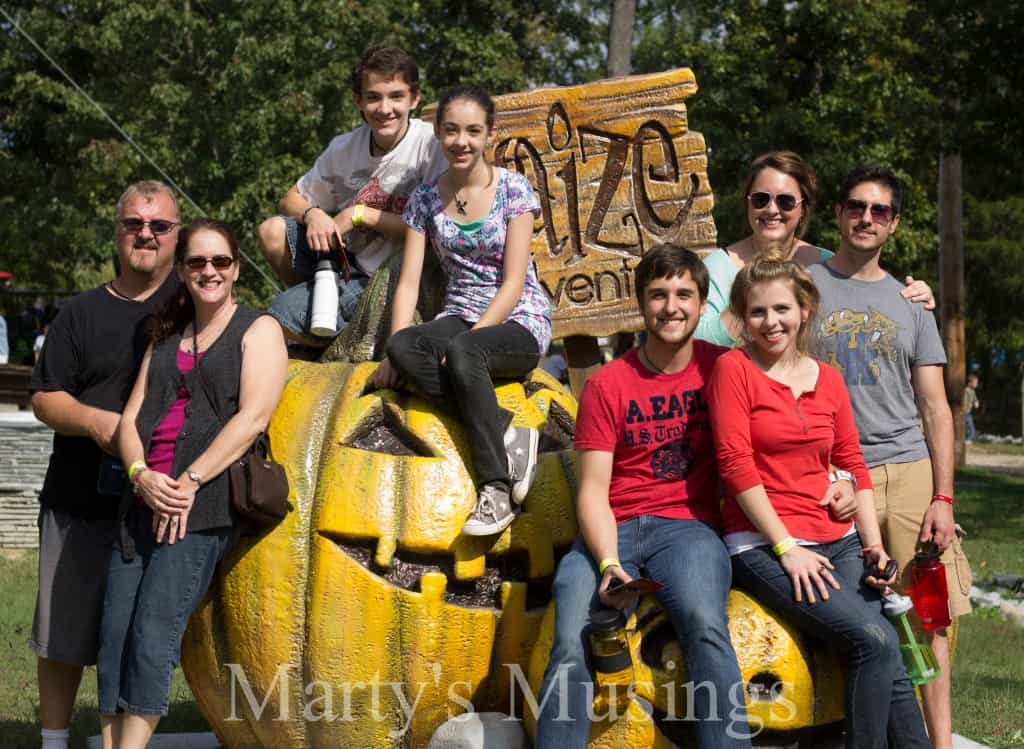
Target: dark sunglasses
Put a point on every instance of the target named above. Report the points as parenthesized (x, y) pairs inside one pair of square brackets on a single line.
[(880, 213), (784, 201), (219, 262), (158, 225)]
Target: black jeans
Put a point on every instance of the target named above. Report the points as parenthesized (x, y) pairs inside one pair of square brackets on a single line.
[(462, 385)]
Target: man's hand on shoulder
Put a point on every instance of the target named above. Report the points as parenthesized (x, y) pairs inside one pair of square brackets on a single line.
[(938, 525), (918, 292)]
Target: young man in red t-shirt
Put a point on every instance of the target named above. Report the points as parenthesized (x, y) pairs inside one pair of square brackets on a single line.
[(648, 505)]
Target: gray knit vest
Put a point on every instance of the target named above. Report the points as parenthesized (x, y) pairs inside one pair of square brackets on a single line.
[(213, 388)]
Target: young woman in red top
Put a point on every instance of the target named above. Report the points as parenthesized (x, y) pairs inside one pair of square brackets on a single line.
[(779, 420)]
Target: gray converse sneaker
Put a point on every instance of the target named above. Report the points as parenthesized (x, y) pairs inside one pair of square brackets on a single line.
[(492, 514), (521, 446)]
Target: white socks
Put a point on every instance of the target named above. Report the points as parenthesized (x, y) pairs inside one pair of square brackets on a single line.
[(56, 738)]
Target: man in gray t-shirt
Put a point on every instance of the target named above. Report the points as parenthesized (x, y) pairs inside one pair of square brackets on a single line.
[(891, 357), (876, 339)]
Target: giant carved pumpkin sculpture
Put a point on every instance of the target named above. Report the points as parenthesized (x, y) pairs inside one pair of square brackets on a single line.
[(365, 619), (790, 688)]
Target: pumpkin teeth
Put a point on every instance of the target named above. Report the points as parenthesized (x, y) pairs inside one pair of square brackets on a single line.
[(408, 571)]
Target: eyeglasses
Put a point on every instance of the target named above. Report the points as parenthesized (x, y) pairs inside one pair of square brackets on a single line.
[(784, 201), (219, 262), (880, 213), (157, 225)]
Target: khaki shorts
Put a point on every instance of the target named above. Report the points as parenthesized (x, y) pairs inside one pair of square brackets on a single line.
[(903, 493)]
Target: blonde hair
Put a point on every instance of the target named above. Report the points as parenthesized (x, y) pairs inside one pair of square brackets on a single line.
[(772, 265)]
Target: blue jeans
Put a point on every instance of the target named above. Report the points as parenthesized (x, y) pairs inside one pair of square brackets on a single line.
[(293, 307), (970, 431), (692, 562), (463, 385), (148, 603), (881, 708)]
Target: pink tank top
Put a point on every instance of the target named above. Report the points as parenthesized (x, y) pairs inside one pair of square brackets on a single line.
[(165, 435)]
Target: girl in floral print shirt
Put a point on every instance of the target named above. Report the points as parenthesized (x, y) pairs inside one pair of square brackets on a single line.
[(496, 322)]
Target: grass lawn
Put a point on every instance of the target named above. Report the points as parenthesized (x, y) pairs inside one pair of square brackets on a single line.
[(988, 670), (988, 673), (19, 701), (991, 448)]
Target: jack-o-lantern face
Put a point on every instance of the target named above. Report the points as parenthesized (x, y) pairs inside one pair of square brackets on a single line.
[(788, 685), (366, 619)]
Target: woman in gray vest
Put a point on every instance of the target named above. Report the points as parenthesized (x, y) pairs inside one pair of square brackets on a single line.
[(209, 382)]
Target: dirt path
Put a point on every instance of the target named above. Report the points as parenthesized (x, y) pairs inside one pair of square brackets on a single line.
[(999, 462)]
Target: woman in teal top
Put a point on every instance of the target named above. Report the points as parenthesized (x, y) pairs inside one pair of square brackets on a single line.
[(780, 192)]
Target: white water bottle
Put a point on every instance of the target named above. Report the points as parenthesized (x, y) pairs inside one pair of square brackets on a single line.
[(324, 320)]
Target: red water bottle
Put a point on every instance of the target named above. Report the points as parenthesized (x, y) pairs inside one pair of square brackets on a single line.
[(929, 592)]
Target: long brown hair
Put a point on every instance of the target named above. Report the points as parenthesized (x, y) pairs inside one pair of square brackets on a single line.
[(180, 310)]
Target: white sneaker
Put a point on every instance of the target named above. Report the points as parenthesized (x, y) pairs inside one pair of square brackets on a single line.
[(492, 514), (521, 445)]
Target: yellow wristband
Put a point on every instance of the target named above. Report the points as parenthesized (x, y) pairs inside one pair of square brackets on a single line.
[(138, 465), (357, 215), (784, 545), (606, 563)]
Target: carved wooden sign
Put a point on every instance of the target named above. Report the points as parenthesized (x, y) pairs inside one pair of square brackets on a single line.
[(617, 171)]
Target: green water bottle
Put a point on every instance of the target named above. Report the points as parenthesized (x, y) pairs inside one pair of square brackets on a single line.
[(917, 655)]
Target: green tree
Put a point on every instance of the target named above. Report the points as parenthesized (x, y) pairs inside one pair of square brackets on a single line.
[(842, 82), (233, 100), (825, 79)]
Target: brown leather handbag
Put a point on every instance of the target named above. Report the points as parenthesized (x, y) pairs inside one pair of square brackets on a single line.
[(259, 487), (258, 484)]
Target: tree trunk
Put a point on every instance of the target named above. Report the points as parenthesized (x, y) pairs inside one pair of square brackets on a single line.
[(620, 37), (951, 282)]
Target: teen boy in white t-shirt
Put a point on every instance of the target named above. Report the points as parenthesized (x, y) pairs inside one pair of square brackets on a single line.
[(349, 204)]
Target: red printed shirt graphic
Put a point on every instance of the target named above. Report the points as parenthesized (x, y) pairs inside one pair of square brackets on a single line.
[(658, 428), (375, 196)]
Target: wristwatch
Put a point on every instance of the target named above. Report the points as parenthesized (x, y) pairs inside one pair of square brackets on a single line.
[(840, 475), (194, 476)]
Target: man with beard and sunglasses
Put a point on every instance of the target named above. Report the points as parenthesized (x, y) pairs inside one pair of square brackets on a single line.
[(891, 358), (648, 504), (79, 387)]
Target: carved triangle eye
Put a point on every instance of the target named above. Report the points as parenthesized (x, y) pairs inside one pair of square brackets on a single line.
[(383, 430)]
